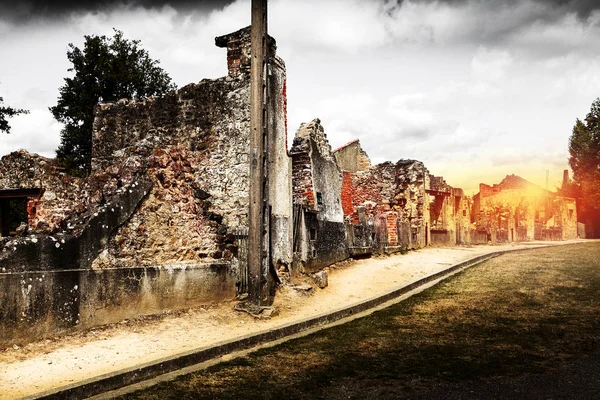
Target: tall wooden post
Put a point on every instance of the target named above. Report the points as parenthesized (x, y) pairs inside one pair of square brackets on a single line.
[(257, 266)]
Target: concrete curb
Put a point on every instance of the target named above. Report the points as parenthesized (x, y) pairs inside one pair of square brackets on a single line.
[(142, 372)]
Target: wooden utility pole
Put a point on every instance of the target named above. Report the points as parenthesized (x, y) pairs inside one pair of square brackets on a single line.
[(258, 246)]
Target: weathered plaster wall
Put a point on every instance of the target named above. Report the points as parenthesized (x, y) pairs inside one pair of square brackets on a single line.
[(566, 212), (463, 205), (317, 187), (280, 167), (351, 157), (317, 178)]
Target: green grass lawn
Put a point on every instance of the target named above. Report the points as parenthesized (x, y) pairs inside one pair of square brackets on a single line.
[(524, 312)]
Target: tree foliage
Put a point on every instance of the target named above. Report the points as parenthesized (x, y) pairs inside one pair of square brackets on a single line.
[(7, 112), (106, 69), (584, 150)]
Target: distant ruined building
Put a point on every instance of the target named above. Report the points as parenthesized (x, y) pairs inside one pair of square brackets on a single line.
[(516, 210), (162, 221)]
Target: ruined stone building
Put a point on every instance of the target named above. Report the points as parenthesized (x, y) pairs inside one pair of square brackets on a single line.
[(319, 234), (402, 203), (518, 210), (160, 222)]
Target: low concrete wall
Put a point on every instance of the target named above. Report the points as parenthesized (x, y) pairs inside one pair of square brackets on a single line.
[(39, 304)]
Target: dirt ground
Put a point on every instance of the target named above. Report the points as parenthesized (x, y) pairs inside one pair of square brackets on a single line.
[(55, 362)]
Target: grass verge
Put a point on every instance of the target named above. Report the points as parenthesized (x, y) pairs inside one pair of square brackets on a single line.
[(521, 313)]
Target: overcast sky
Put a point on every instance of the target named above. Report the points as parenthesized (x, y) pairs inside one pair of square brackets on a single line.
[(475, 89)]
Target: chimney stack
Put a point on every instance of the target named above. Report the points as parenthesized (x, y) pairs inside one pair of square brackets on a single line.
[(565, 178)]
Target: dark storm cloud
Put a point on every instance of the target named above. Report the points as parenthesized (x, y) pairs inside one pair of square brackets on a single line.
[(583, 8), (24, 10)]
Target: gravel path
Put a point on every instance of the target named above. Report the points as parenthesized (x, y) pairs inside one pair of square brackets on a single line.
[(57, 362)]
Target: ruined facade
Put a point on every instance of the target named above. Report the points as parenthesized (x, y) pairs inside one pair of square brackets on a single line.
[(319, 235), (386, 207), (518, 210), (406, 206), (449, 213), (161, 220)]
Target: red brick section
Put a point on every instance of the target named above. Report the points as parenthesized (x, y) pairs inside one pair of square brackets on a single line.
[(365, 189), (302, 189), (33, 206), (347, 194), (234, 61), (392, 227)]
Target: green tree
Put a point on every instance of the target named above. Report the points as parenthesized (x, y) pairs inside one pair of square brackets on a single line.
[(107, 69), (584, 150), (7, 112)]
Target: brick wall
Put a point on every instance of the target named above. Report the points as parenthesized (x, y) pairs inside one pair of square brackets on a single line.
[(302, 186), (392, 227), (347, 196)]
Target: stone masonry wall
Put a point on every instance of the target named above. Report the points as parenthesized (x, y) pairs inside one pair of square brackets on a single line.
[(317, 185), (64, 197), (399, 188), (196, 144), (193, 146), (74, 217)]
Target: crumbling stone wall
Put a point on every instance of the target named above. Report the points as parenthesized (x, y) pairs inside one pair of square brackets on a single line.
[(73, 219), (192, 146), (371, 189), (195, 145), (565, 211), (462, 213), (410, 207), (442, 226), (63, 196), (387, 190), (317, 187)]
